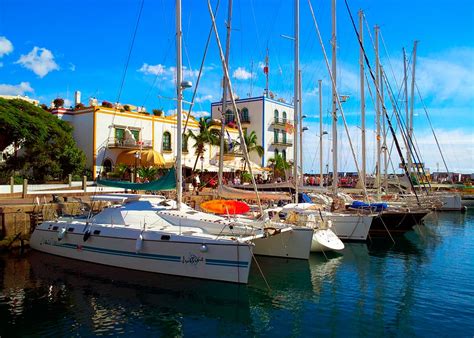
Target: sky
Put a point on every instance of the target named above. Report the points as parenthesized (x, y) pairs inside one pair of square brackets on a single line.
[(50, 49)]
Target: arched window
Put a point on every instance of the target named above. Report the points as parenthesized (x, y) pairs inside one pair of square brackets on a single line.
[(229, 116), (276, 116), (184, 146), (283, 136), (275, 135), (107, 165), (276, 153), (283, 154), (245, 115), (284, 116), (166, 141)]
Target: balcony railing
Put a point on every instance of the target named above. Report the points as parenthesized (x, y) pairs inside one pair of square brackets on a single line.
[(279, 121), (129, 144), (283, 143)]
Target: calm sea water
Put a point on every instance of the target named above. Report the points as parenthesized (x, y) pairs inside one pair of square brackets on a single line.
[(421, 286)]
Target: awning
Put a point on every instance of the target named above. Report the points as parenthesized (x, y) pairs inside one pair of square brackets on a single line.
[(147, 158)]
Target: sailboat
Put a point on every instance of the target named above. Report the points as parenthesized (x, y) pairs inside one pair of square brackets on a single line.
[(118, 237)]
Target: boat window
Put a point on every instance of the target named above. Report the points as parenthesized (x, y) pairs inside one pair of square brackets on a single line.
[(165, 237), (96, 232), (70, 229), (55, 228), (191, 212)]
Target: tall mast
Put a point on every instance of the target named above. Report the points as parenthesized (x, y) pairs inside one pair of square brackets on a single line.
[(407, 114), (301, 129), (384, 128), (296, 97), (321, 178), (412, 99), (266, 70), (179, 118), (377, 84), (224, 96), (334, 101), (362, 95)]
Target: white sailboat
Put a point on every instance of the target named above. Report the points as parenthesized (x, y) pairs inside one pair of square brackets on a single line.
[(117, 237)]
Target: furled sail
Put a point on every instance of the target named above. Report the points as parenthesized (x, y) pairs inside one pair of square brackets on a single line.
[(234, 193)]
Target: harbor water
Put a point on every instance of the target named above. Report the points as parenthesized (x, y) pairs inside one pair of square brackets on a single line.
[(420, 286)]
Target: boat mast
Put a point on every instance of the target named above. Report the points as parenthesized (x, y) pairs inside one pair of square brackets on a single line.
[(412, 101), (179, 118), (301, 129), (362, 95), (321, 178), (378, 136), (407, 114), (296, 97), (384, 132), (224, 96), (335, 174)]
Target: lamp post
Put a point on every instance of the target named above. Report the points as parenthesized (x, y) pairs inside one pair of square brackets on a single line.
[(137, 156), (202, 163)]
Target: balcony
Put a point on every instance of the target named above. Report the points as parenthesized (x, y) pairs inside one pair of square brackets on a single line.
[(282, 143), (281, 122), (128, 144)]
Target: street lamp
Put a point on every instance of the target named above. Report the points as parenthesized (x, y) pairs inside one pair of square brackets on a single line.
[(202, 163), (137, 156)]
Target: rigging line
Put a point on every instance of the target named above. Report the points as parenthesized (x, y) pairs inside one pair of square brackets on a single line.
[(256, 29), (130, 51), (200, 72), (431, 126), (384, 109), (339, 104), (389, 63)]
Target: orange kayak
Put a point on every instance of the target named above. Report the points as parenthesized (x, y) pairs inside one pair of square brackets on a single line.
[(225, 207)]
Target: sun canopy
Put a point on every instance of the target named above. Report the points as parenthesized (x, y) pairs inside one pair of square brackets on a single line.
[(166, 182), (148, 158)]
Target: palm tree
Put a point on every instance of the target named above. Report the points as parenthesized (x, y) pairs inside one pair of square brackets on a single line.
[(279, 165), (207, 135), (148, 173), (252, 145)]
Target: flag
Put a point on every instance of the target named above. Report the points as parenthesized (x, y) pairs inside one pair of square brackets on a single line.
[(265, 69), (230, 141), (289, 128)]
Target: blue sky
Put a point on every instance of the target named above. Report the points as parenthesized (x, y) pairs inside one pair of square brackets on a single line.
[(49, 49)]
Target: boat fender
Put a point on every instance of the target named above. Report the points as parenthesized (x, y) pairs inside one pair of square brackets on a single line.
[(139, 243), (61, 233), (86, 236), (203, 248)]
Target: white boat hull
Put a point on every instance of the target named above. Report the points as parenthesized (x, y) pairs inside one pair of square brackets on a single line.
[(294, 243), (451, 202), (350, 227), (325, 240), (222, 260)]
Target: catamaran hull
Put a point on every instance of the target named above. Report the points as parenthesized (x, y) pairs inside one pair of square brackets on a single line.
[(325, 240), (295, 243), (197, 258)]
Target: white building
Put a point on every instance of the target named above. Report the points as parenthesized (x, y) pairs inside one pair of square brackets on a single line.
[(270, 119)]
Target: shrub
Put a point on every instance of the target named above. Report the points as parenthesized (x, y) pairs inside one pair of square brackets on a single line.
[(58, 103), (107, 104), (126, 107), (79, 106), (158, 112)]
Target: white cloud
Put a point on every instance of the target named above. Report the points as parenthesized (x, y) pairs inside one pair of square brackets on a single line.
[(67, 103), (6, 47), (241, 74), (40, 61), (147, 69), (72, 67), (204, 98), (202, 113), (20, 89)]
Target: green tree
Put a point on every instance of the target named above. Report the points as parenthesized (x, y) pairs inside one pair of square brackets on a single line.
[(46, 147), (207, 135), (252, 145), (148, 173), (279, 166)]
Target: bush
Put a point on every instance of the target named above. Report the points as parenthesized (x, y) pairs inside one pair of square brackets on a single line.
[(126, 107), (107, 104), (158, 112), (79, 106)]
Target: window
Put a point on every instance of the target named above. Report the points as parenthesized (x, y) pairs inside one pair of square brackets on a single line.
[(276, 153), (276, 115), (229, 116), (107, 165), (166, 141), (119, 134), (283, 154), (136, 134), (245, 115), (284, 117), (283, 134), (184, 146), (275, 135)]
